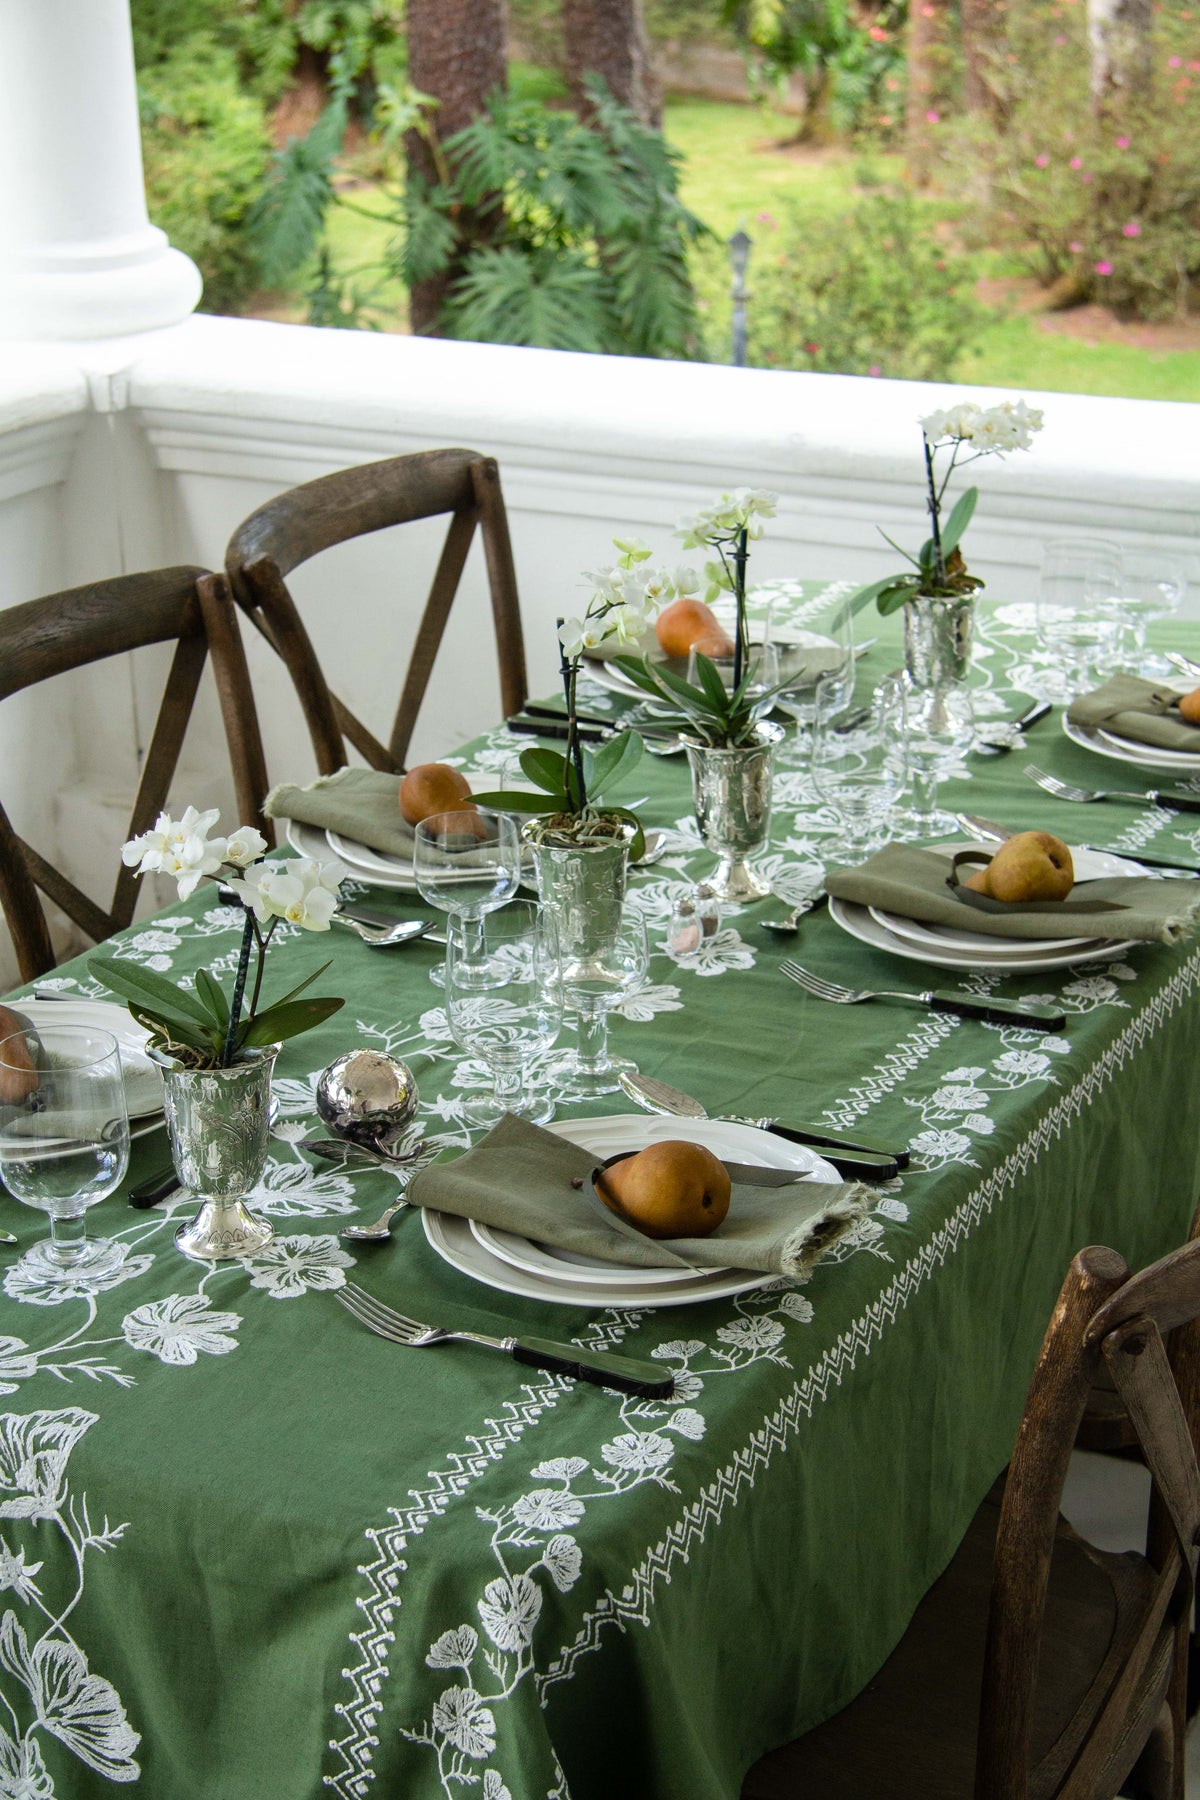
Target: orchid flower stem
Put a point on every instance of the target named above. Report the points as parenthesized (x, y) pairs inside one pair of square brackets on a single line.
[(741, 643), (935, 507), (249, 934), (262, 959), (569, 670)]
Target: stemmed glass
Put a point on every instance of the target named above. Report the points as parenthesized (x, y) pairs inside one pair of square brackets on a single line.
[(467, 864), (1153, 584), (761, 673), (515, 1015), (64, 1141), (934, 727), (596, 976), (1080, 587), (829, 661), (859, 773)]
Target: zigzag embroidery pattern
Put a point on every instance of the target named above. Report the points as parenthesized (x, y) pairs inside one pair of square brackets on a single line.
[(908, 1055), (633, 1605), (355, 1750)]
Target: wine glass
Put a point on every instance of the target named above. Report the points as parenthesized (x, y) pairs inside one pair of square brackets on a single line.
[(821, 651), (860, 773), (595, 977), (516, 1012), (934, 728), (1153, 584), (1080, 582), (467, 864), (64, 1141)]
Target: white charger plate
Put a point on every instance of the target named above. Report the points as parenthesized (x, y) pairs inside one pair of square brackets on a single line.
[(141, 1080), (569, 1285), (1124, 750), (1090, 865), (858, 923)]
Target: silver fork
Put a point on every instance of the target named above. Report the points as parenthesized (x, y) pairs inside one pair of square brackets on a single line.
[(1066, 790), (1184, 664), (996, 1012), (625, 1373)]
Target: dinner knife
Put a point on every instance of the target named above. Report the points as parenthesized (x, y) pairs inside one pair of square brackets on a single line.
[(990, 828), (861, 1162), (156, 1187)]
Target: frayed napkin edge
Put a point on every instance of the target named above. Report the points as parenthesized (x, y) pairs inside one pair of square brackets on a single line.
[(804, 1246), (291, 787)]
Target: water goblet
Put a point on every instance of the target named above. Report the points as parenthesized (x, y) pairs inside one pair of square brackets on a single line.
[(1153, 585), (467, 864), (822, 653), (515, 1014), (1079, 588), (594, 979), (64, 1142), (934, 727), (859, 773)]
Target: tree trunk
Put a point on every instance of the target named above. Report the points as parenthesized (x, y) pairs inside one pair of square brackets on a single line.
[(982, 30), (456, 52), (926, 38), (608, 38), (1120, 35)]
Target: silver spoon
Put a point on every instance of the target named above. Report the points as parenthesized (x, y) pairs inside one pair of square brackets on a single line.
[(381, 1229), (404, 931)]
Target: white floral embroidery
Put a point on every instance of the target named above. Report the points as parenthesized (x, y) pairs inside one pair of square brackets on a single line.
[(23, 1774), (54, 1287), (563, 1559), (33, 1460), (288, 1267), (687, 1422), (295, 1190), (16, 1576), (179, 1329), (546, 1509), (718, 954), (643, 1006), (509, 1611), (454, 1649), (752, 1334), (565, 1468), (461, 1716), (638, 1451), (797, 1307), (494, 1788)]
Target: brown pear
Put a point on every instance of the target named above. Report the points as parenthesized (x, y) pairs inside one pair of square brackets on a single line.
[(670, 1189), (1033, 865), (433, 788), (18, 1071), (1189, 707), (688, 624)]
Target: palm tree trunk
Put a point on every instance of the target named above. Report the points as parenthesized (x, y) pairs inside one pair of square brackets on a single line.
[(1120, 35), (926, 36), (982, 30), (608, 38), (456, 52)]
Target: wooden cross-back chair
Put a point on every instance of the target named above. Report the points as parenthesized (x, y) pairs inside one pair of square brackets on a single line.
[(296, 525), (1038, 1667), (48, 636)]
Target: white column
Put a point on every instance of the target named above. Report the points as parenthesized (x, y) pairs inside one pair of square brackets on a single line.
[(78, 255)]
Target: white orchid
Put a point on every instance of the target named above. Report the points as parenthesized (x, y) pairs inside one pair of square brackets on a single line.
[(300, 891), (244, 846), (1009, 426), (178, 847), (743, 510)]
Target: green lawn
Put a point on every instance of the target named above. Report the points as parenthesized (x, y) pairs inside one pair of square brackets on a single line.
[(739, 165)]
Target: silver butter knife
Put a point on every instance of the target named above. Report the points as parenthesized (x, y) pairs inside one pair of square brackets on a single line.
[(990, 828)]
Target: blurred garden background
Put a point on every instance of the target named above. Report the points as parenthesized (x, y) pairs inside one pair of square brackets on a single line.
[(987, 191)]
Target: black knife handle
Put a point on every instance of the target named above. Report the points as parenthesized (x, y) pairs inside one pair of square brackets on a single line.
[(862, 1168), (625, 1373), (1176, 802), (149, 1193), (996, 1012), (536, 728), (827, 1141)]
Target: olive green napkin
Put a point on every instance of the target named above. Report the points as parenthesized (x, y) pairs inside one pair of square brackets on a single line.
[(912, 882), (1145, 711), (519, 1179), (363, 804)]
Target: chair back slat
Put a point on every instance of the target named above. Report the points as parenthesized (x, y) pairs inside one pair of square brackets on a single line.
[(1104, 1318), (59, 632), (297, 525)]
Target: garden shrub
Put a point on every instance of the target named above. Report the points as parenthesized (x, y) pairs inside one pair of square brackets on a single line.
[(1102, 203), (205, 148), (870, 292)]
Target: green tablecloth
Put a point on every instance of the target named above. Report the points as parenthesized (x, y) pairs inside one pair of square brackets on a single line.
[(247, 1549)]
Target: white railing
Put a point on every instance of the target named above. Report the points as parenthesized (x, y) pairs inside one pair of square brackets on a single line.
[(150, 450)]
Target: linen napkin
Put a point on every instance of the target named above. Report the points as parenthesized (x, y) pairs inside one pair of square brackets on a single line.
[(910, 881), (519, 1179), (1145, 711), (363, 804)]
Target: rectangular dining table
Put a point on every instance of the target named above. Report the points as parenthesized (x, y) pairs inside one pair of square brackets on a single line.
[(247, 1549)]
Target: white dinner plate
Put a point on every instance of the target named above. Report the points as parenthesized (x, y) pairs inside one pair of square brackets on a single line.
[(1124, 750), (143, 1085), (1090, 865), (372, 862), (857, 921), (563, 1285), (312, 841)]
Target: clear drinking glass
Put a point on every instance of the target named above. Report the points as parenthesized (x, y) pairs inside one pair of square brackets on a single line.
[(613, 966), (860, 773), (820, 651), (516, 1015), (64, 1141), (467, 864), (934, 727), (1153, 585), (762, 667), (1080, 586)]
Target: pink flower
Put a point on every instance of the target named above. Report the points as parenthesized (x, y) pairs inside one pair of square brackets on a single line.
[(1087, 176), (1042, 161), (766, 218), (1195, 67), (1077, 162), (1060, 39), (1104, 268), (1133, 229), (1122, 143), (811, 349), (933, 118), (1174, 62), (878, 33), (874, 369), (1075, 249)]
